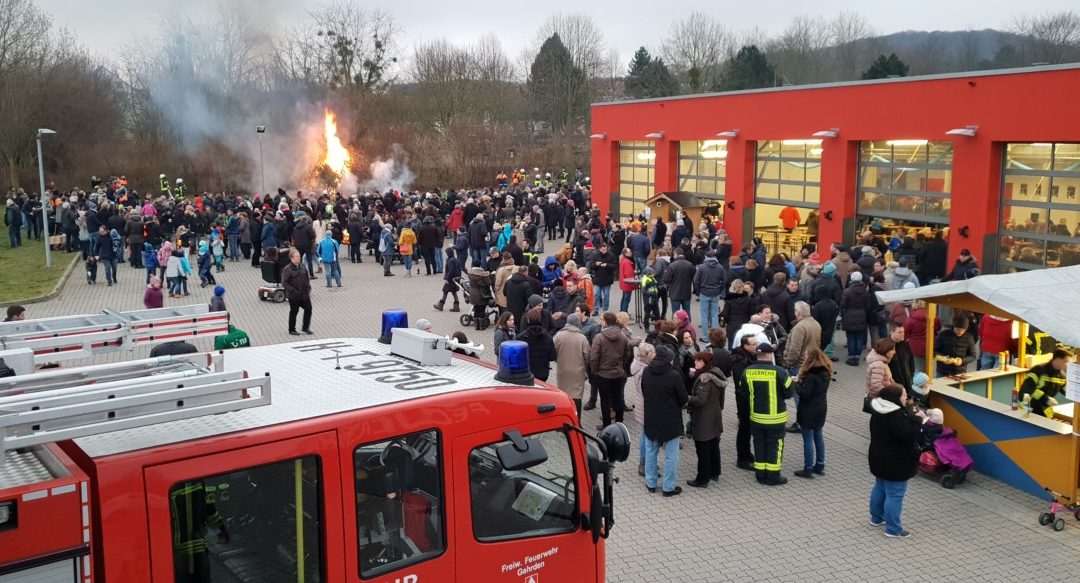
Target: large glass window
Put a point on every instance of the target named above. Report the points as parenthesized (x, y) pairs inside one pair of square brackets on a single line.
[(257, 524), (789, 173), (399, 502), (905, 181), (1040, 209), (703, 167), (637, 180), (539, 501)]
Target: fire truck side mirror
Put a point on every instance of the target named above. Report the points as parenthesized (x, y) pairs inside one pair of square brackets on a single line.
[(616, 439), (520, 453)]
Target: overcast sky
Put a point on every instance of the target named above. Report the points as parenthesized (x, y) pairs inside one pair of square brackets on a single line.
[(102, 24)]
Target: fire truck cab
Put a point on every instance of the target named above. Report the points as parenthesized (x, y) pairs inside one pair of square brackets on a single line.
[(364, 466)]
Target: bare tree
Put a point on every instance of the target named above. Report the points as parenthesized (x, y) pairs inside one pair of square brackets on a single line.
[(849, 56), (798, 52), (1052, 38), (695, 48)]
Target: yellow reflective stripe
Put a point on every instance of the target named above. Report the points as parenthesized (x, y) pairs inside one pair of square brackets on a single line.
[(1049, 412), (1052, 380), (1031, 377), (1037, 394), (767, 419)]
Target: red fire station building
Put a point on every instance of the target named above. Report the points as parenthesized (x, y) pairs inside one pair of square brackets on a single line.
[(992, 159)]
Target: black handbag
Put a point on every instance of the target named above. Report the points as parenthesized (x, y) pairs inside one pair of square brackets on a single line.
[(866, 408)]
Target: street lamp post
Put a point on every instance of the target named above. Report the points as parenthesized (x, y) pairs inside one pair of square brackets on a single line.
[(44, 202), (262, 174)]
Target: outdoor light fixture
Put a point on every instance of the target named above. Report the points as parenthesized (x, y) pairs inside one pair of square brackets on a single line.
[(964, 231), (600, 136), (655, 135), (260, 129), (829, 133), (731, 205), (728, 134), (968, 131), (45, 204), (828, 215)]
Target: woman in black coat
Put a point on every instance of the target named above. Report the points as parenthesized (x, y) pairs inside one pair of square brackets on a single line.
[(855, 309), (541, 346), (451, 272), (814, 378), (894, 457), (738, 307)]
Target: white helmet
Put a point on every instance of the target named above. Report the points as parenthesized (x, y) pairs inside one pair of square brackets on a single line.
[(161, 176), (538, 177), (523, 171), (547, 175), (179, 180), (535, 169)]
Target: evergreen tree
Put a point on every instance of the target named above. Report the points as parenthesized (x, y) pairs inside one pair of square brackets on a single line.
[(884, 67), (748, 70), (557, 88), (649, 77)]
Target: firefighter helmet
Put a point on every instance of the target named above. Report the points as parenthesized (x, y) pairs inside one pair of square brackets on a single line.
[(179, 180)]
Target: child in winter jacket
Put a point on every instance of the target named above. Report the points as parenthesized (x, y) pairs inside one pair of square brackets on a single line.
[(205, 277), (217, 246), (643, 356), (152, 297), (217, 303), (185, 269), (149, 257)]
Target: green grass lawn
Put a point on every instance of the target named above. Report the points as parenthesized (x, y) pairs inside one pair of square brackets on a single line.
[(23, 273)]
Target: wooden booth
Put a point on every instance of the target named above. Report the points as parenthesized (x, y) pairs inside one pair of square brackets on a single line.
[(667, 205), (1027, 450)]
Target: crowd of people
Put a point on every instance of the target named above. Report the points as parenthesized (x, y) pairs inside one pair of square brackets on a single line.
[(765, 322)]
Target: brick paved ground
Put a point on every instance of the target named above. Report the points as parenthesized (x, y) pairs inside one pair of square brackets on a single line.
[(814, 530)]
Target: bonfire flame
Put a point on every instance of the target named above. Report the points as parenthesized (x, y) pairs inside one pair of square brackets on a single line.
[(337, 157)]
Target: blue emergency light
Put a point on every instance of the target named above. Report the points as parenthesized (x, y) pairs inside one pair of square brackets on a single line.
[(514, 363), (392, 319)]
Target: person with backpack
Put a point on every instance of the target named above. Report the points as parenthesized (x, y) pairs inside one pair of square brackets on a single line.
[(650, 296), (328, 255)]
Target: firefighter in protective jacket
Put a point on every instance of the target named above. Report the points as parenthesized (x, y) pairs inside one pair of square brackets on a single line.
[(767, 386), (1044, 381), (194, 511), (181, 188), (164, 185)]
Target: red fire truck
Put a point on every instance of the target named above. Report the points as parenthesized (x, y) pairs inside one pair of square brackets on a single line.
[(327, 460)]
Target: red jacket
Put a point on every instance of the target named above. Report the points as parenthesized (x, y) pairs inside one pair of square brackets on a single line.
[(915, 328), (995, 335), (626, 270), (457, 219)]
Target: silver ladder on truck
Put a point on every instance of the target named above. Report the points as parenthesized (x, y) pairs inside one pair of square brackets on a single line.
[(72, 337), (60, 404)]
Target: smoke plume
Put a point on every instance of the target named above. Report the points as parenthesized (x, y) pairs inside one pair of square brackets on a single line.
[(391, 173)]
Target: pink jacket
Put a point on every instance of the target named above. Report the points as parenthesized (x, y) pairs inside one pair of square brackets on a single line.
[(877, 374)]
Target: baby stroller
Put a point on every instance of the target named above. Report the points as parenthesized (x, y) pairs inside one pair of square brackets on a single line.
[(271, 266), (945, 459), (479, 293)]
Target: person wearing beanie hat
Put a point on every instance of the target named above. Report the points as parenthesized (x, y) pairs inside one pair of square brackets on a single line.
[(217, 303), (829, 269), (893, 456), (919, 394), (855, 305), (767, 387), (423, 324)]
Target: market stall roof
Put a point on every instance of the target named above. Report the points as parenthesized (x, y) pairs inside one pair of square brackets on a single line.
[(1044, 298)]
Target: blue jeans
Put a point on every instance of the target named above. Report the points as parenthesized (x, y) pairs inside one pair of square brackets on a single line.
[(14, 237), (988, 360), (671, 462), (856, 342), (408, 263), (110, 269), (440, 256), (333, 272), (640, 263), (641, 443), (477, 256), (887, 502), (603, 297), (813, 441), (234, 246), (624, 301), (676, 305), (710, 314)]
